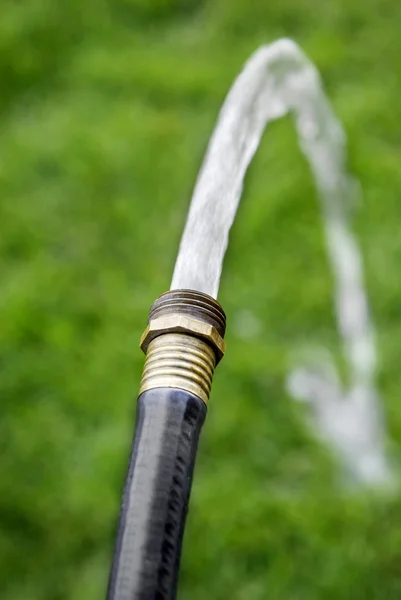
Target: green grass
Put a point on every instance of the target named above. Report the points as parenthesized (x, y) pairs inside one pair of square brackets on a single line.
[(106, 109)]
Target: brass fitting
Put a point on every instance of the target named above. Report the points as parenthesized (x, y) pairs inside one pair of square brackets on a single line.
[(176, 323), (183, 342)]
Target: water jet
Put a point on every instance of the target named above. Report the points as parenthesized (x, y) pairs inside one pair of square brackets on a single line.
[(184, 338)]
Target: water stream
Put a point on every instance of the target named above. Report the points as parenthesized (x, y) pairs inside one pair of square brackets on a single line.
[(279, 79)]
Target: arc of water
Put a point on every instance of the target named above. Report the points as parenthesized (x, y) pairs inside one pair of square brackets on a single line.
[(279, 79)]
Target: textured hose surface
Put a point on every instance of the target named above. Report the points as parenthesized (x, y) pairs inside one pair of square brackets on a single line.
[(156, 495)]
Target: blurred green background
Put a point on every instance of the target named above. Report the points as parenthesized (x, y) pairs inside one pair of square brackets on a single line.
[(106, 108)]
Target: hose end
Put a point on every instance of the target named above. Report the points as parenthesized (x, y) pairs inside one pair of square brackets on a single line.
[(183, 342)]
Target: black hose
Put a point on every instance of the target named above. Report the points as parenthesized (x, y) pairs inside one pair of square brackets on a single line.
[(155, 501), (183, 342)]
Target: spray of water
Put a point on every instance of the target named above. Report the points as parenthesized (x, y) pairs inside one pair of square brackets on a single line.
[(277, 80)]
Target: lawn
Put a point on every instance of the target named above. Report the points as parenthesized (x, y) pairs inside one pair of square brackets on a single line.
[(106, 110)]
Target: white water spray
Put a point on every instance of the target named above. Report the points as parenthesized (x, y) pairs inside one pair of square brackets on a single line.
[(279, 79)]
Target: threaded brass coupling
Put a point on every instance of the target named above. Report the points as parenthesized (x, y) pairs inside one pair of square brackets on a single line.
[(183, 342)]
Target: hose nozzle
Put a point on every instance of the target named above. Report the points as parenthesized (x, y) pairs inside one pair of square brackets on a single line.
[(183, 342)]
